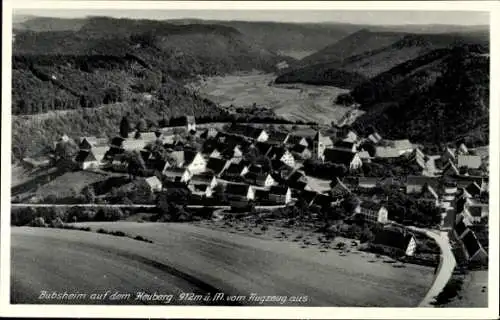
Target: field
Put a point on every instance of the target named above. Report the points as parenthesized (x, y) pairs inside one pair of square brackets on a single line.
[(70, 184), (190, 258), (474, 293), (291, 101)]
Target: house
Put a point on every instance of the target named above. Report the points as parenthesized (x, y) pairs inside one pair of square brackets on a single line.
[(261, 195), (280, 194), (278, 137), (469, 162), (283, 155), (365, 156), (190, 124), (351, 160), (463, 181), (177, 175), (415, 184), (86, 143), (450, 169), (160, 165), (367, 182), (339, 191), (119, 163), (217, 166), (295, 140), (201, 190), (372, 212), (263, 147), (154, 183), (301, 152), (475, 213), (250, 132), (87, 160), (215, 154), (402, 146), (117, 142), (387, 152), (177, 158), (475, 252), (235, 170), (428, 194), (395, 242), (351, 136), (232, 151), (345, 145), (209, 133), (204, 178), (472, 190), (239, 192), (448, 155), (375, 137), (260, 179), (194, 162)]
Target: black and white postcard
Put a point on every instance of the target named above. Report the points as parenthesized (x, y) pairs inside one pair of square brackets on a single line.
[(182, 159)]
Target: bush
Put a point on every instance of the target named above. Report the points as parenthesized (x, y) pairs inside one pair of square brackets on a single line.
[(109, 214), (450, 291), (38, 222)]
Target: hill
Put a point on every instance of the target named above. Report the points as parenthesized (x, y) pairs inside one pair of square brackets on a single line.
[(82, 82), (436, 98), (369, 54)]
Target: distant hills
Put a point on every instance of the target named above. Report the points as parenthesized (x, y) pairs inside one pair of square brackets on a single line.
[(439, 97)]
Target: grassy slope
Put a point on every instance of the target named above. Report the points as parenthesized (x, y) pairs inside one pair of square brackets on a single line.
[(439, 97), (89, 61), (368, 54)]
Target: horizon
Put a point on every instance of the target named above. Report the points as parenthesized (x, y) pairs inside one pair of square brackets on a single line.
[(378, 18)]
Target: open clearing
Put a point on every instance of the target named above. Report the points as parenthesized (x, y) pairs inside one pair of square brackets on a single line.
[(188, 258), (291, 101)]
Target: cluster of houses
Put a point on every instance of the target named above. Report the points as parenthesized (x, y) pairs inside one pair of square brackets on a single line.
[(222, 165)]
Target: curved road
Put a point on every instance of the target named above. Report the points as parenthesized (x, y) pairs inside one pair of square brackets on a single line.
[(186, 258)]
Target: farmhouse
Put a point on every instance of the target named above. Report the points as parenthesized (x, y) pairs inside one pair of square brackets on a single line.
[(238, 192), (153, 183), (194, 162), (277, 137), (473, 249), (351, 160), (395, 242), (475, 213), (351, 136), (462, 150), (88, 159), (217, 166), (372, 212), (204, 178), (177, 175), (282, 155), (177, 158), (119, 163), (386, 152), (473, 190), (263, 147), (468, 161), (415, 184), (448, 155), (301, 152), (235, 170), (295, 140), (345, 146), (280, 194), (428, 194), (260, 179), (450, 169)]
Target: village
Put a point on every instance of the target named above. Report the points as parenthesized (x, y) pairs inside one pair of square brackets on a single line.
[(335, 175)]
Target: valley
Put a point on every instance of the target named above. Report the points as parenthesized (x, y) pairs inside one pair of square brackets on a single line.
[(295, 102)]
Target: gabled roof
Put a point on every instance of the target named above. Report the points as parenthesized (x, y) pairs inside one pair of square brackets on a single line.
[(294, 139), (460, 227), (152, 181), (429, 191), (277, 153), (393, 238), (471, 162), (339, 156), (189, 156), (175, 172), (263, 147), (216, 165), (471, 243), (386, 152), (344, 145), (85, 156), (473, 189), (202, 178), (278, 190), (237, 189), (367, 180), (245, 130), (178, 156), (364, 155), (374, 137), (450, 168), (157, 164), (277, 137), (422, 180), (299, 148), (235, 168), (117, 141), (402, 144)]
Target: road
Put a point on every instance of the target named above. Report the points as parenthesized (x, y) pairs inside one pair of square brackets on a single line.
[(446, 266), (186, 258)]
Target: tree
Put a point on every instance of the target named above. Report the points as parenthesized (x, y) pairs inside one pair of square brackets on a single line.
[(125, 126), (350, 203), (141, 125), (89, 194)]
